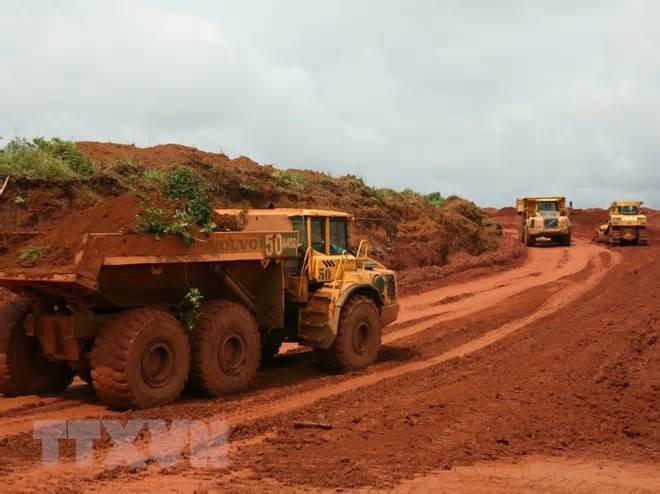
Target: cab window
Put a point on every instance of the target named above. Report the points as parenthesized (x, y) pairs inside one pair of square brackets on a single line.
[(318, 234), (338, 236), (298, 223), (628, 210), (548, 206)]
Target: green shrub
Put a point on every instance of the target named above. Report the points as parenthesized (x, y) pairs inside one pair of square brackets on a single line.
[(30, 255), (152, 220), (153, 175), (436, 199), (293, 179), (247, 188), (410, 192), (182, 185), (43, 158)]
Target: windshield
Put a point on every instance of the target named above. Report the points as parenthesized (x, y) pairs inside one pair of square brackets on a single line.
[(548, 206), (628, 210), (338, 236)]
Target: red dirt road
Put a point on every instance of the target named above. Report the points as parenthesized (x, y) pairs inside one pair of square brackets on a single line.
[(544, 377)]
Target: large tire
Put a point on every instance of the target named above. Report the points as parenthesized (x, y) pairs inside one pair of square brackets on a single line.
[(141, 359), (226, 349), (529, 239), (358, 337), (23, 368), (566, 240)]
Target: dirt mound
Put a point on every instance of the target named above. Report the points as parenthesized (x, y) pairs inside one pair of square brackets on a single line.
[(416, 280), (407, 229), (58, 246)]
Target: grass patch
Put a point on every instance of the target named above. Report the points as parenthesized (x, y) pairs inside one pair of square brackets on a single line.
[(154, 176), (44, 159), (293, 179), (30, 255)]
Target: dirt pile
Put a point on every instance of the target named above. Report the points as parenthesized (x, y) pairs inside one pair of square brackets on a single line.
[(407, 229), (58, 246)]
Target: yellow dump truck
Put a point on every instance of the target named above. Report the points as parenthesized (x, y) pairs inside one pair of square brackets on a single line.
[(625, 223), (115, 316), (543, 217)]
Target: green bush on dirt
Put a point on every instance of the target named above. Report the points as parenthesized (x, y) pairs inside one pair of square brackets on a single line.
[(30, 255), (436, 199), (293, 179), (43, 159), (182, 185), (192, 207)]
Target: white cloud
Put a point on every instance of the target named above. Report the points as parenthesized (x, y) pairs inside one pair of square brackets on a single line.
[(486, 99)]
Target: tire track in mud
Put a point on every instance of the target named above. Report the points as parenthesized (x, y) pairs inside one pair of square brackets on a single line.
[(419, 313), (562, 298), (599, 264)]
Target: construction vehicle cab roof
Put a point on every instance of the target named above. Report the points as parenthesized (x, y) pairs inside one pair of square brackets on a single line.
[(542, 198), (289, 212), (628, 203)]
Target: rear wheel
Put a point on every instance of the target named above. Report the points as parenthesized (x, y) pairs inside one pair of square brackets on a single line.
[(226, 349), (358, 337), (141, 359), (23, 367)]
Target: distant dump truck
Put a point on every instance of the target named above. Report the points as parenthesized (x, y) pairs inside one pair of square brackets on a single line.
[(543, 217), (625, 223), (114, 317)]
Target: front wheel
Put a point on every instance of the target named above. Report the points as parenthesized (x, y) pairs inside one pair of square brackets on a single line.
[(529, 239), (23, 368), (141, 359), (566, 240), (358, 337)]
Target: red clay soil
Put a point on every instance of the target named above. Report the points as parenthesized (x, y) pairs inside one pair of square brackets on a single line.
[(462, 266), (577, 383), (406, 229), (581, 383), (60, 244)]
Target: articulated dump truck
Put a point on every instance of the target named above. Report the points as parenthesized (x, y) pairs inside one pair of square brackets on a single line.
[(543, 217), (625, 224), (113, 317)]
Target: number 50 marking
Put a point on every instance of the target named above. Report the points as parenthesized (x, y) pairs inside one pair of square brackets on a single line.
[(274, 245)]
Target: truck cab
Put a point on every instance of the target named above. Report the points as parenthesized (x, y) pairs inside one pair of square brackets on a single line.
[(543, 217), (327, 274)]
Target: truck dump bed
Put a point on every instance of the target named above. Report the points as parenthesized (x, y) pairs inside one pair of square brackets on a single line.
[(99, 251)]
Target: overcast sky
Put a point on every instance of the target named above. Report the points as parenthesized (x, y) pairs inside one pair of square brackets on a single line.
[(487, 99)]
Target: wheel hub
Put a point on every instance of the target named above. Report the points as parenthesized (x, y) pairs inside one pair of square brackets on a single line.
[(232, 353), (157, 363), (361, 338)]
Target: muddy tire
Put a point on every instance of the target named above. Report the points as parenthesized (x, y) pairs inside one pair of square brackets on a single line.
[(141, 359), (226, 349), (23, 368), (529, 240), (358, 337), (566, 240)]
